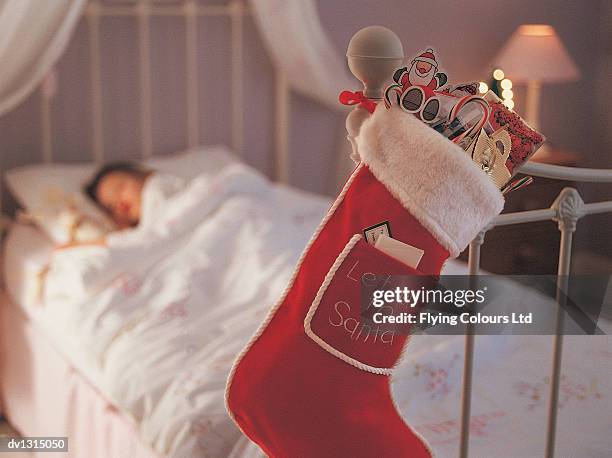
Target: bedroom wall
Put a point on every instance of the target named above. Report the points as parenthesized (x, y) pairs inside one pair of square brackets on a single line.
[(570, 118)]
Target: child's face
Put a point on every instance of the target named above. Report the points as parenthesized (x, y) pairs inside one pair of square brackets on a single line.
[(120, 194)]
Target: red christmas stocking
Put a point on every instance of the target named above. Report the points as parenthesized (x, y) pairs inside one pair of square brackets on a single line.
[(313, 382)]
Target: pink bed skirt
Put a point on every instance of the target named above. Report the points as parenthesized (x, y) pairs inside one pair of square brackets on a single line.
[(42, 395)]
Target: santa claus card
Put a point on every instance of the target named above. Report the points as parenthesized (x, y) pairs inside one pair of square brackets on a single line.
[(497, 139)]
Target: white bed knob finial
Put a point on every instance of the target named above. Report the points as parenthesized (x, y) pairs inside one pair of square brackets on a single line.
[(569, 207), (373, 54)]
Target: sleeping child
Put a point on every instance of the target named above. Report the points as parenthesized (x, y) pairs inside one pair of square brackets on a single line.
[(117, 188), (128, 192)]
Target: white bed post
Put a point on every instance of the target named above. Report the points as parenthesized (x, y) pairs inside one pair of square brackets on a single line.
[(143, 12), (237, 100), (48, 89), (468, 358), (93, 20), (373, 54), (283, 126), (569, 208), (193, 104)]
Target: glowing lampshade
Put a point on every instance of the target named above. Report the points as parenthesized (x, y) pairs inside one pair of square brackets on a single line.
[(535, 52)]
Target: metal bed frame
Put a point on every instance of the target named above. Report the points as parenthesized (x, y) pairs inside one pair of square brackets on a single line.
[(566, 210), (190, 10)]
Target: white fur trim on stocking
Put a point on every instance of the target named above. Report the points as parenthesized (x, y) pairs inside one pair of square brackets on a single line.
[(432, 177)]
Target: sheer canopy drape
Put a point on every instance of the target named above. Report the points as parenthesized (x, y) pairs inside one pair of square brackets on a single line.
[(298, 45), (33, 35)]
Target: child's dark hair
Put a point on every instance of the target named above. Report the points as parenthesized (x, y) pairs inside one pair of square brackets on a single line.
[(91, 188)]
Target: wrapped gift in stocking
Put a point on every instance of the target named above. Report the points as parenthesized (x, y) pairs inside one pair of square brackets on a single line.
[(313, 381)]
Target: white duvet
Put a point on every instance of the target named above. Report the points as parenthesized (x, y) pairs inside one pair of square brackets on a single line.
[(165, 309)]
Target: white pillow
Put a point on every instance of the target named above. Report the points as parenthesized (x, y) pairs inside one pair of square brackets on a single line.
[(45, 190), (68, 218)]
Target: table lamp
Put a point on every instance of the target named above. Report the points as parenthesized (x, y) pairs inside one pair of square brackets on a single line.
[(534, 55)]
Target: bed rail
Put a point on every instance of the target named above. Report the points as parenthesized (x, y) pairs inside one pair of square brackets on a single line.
[(559, 172), (143, 11), (566, 210)]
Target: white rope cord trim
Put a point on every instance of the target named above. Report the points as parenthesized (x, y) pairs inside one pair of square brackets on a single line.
[(273, 310), (315, 305)]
